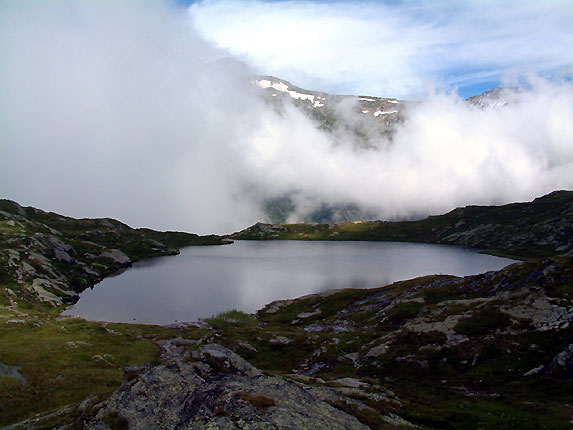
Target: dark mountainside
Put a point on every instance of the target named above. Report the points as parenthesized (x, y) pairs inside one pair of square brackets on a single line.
[(540, 228), (60, 256), (439, 352)]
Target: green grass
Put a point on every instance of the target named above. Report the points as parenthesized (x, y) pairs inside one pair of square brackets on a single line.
[(403, 311), (116, 421), (482, 322), (440, 294), (443, 409), (280, 358), (59, 373), (230, 319)]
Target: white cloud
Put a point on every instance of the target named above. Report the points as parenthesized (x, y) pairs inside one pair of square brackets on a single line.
[(447, 153), (116, 109), (391, 50), (113, 109)]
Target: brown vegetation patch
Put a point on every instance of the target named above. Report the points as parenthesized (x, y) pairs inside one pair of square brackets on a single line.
[(259, 400)]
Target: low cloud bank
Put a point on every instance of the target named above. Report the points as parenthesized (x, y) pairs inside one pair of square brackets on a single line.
[(447, 153), (122, 110)]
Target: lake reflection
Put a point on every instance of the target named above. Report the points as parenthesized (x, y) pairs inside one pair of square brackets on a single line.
[(203, 281)]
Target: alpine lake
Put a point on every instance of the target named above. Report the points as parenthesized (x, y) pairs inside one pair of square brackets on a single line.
[(205, 280)]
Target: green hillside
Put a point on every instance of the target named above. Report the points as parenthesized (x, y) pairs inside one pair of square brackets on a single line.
[(543, 227)]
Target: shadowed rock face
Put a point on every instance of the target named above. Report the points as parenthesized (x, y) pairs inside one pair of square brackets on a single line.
[(52, 258), (215, 388)]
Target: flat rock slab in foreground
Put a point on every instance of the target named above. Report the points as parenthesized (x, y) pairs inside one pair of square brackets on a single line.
[(219, 390)]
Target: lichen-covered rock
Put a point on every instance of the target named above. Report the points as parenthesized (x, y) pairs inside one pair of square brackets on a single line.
[(542, 311), (219, 390), (276, 306), (117, 256), (562, 365), (446, 326), (39, 287), (61, 250), (12, 372), (280, 340)]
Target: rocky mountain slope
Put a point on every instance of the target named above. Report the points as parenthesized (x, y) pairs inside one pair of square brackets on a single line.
[(542, 227), (494, 99), (52, 258), (439, 352), (330, 109)]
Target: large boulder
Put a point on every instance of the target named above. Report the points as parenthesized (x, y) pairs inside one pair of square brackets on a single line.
[(215, 388)]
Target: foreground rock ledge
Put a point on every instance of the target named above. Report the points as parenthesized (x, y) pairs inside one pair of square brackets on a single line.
[(215, 389)]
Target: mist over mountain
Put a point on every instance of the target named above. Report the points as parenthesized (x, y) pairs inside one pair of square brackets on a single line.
[(123, 110), (382, 128), (252, 116)]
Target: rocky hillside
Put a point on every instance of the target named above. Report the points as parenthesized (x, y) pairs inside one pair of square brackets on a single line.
[(491, 351), (333, 111), (542, 227), (52, 258), (330, 110), (494, 99)]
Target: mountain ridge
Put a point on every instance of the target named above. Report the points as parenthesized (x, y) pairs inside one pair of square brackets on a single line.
[(542, 227)]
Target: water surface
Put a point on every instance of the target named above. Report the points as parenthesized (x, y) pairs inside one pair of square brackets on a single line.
[(205, 280)]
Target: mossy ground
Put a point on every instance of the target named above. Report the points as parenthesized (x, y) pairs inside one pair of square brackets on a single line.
[(230, 319), (64, 361)]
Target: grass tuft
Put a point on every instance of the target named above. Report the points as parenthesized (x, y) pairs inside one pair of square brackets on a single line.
[(116, 422), (232, 318), (482, 322)]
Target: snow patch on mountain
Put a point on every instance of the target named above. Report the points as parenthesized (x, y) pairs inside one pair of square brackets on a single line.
[(379, 112), (282, 87)]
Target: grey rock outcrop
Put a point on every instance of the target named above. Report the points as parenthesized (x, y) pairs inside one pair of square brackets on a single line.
[(562, 364), (12, 372), (218, 391), (117, 256), (62, 251)]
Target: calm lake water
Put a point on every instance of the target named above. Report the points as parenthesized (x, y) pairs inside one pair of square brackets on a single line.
[(203, 281)]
